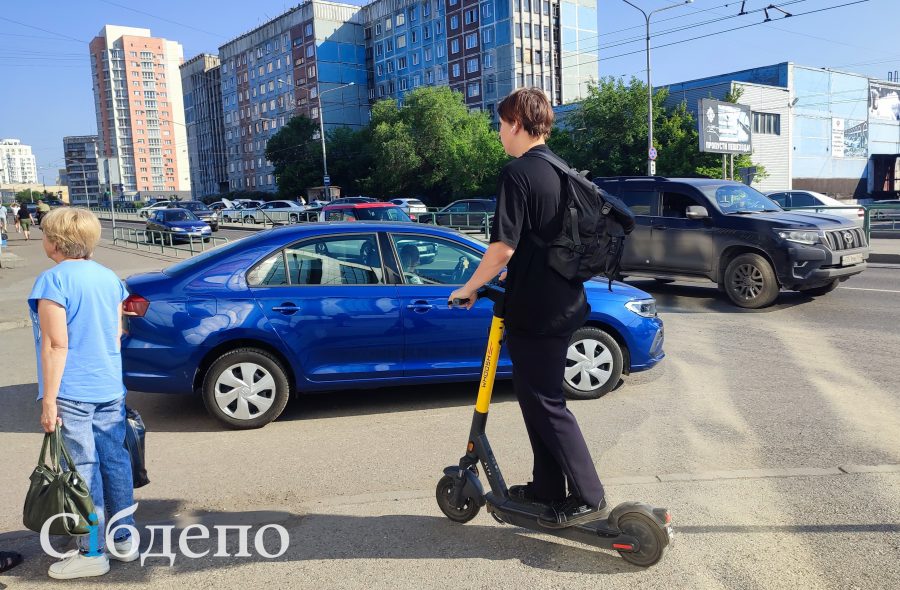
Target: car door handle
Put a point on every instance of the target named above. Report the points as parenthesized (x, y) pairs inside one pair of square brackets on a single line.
[(658, 227), (420, 306), (286, 308)]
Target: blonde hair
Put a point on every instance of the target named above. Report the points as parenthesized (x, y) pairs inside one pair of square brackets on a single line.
[(73, 232)]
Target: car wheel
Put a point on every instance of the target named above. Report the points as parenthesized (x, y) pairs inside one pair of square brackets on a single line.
[(246, 388), (249, 219), (593, 364), (294, 218), (750, 281), (822, 289)]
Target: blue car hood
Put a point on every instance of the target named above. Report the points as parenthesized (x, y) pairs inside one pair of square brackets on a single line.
[(598, 288)]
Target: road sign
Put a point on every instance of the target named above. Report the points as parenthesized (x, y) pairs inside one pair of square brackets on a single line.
[(653, 153), (327, 180), (652, 167)]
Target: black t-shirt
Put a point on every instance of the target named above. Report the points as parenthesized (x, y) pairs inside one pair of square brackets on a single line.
[(539, 301), (24, 213)]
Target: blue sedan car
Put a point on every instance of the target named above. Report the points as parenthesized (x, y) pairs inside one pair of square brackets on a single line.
[(176, 225), (329, 306)]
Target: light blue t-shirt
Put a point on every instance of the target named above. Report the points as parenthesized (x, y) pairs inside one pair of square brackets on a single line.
[(90, 294)]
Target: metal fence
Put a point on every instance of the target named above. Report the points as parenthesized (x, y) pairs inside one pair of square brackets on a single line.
[(881, 218), (478, 224), (165, 242)]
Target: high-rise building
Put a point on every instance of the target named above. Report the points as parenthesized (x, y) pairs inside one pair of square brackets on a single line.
[(17, 164), (83, 173), (203, 115), (140, 110), (277, 70)]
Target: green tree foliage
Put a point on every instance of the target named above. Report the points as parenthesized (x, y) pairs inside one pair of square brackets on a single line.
[(297, 157), (607, 134)]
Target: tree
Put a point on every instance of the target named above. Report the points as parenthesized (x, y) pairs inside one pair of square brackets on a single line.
[(296, 156), (349, 158)]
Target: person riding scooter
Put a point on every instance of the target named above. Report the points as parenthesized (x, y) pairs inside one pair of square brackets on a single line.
[(530, 201)]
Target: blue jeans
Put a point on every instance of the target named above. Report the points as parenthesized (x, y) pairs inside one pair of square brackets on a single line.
[(94, 434)]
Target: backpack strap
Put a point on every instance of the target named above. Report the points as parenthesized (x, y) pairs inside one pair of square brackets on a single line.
[(561, 166)]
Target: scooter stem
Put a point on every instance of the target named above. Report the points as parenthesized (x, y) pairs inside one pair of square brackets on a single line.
[(489, 370)]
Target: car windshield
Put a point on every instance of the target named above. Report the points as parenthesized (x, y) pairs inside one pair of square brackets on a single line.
[(738, 198), (194, 207), (380, 214), (180, 215)]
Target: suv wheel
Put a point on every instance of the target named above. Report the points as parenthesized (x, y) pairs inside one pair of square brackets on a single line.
[(823, 289), (246, 388), (750, 281), (593, 364)]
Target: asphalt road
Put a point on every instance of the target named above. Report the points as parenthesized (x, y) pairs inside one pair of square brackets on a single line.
[(773, 436)]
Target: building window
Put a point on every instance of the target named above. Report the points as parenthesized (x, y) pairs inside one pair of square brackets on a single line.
[(440, 50), (401, 41), (455, 71), (454, 46), (488, 60), (403, 84), (767, 123), (401, 19), (472, 65), (368, 32), (428, 54), (379, 49), (389, 45), (401, 63), (546, 33), (379, 70), (415, 58), (377, 28), (526, 29), (438, 27), (311, 72), (388, 24), (537, 31), (519, 54), (471, 40), (413, 36), (426, 32), (454, 2), (309, 30), (429, 77), (486, 10), (412, 14), (471, 16), (454, 22), (426, 8), (473, 89), (310, 50), (487, 35), (390, 66)]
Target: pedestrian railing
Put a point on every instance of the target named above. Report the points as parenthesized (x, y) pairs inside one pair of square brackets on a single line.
[(165, 242), (259, 218), (475, 223)]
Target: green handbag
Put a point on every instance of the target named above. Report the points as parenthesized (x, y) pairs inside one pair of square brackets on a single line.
[(53, 491)]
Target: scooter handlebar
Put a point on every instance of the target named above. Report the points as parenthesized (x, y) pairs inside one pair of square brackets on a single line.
[(491, 292)]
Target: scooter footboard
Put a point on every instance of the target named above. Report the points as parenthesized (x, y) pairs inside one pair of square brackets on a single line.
[(472, 487)]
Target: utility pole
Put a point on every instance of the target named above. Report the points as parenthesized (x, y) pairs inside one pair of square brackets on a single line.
[(326, 181), (651, 165)]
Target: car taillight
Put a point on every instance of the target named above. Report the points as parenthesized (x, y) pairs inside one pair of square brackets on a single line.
[(135, 305), (412, 217)]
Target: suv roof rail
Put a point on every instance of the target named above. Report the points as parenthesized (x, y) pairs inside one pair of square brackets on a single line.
[(631, 178)]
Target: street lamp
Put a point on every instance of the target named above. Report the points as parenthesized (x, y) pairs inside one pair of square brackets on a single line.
[(651, 168), (326, 181)]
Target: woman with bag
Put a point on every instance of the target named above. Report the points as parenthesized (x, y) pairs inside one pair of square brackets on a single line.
[(76, 309)]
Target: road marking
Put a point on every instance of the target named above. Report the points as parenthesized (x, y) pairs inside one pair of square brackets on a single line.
[(864, 289)]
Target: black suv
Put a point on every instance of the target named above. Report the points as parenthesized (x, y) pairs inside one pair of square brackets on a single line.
[(733, 235)]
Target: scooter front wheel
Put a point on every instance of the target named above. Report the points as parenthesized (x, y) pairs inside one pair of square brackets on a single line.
[(652, 538), (444, 495)]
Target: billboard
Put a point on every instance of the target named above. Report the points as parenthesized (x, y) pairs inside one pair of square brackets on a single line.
[(724, 127), (884, 102), (849, 139)]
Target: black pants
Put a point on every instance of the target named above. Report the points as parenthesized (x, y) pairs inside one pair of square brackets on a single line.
[(560, 453)]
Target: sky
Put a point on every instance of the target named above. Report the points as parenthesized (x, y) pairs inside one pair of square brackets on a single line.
[(45, 80)]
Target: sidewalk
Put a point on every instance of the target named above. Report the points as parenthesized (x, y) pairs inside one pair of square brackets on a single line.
[(16, 283), (885, 250)]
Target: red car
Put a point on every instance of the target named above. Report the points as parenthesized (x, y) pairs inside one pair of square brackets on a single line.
[(364, 212)]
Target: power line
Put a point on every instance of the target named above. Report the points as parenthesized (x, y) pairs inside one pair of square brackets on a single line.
[(151, 15)]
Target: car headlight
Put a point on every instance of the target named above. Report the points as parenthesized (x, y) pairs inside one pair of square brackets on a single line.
[(180, 229), (799, 236), (645, 308)]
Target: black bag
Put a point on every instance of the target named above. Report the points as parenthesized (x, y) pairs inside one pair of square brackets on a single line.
[(134, 442), (54, 490), (595, 224)]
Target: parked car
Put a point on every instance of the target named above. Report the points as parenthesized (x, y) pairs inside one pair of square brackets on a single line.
[(363, 212), (146, 211), (199, 209), (464, 214), (322, 307), (813, 199), (345, 200), (412, 207), (280, 212), (242, 210), (176, 225), (886, 214), (733, 235), (218, 205)]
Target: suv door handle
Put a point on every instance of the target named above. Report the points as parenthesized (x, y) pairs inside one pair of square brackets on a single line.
[(286, 308), (420, 306)]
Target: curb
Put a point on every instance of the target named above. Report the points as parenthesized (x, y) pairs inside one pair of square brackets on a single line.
[(884, 258), (9, 260)]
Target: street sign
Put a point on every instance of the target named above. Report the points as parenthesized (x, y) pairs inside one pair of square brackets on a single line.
[(653, 153), (652, 167), (327, 180)]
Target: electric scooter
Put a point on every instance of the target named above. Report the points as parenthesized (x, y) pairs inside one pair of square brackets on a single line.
[(639, 532)]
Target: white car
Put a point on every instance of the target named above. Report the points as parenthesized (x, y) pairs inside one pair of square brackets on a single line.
[(812, 199), (150, 209), (412, 207), (279, 212)]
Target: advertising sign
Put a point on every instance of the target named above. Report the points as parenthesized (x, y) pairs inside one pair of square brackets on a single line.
[(884, 102), (724, 127), (849, 139)]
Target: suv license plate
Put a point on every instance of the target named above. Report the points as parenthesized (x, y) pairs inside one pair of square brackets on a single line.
[(851, 259)]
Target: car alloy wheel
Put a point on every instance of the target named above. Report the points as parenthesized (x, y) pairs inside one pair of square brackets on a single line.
[(747, 281), (246, 388), (750, 281), (593, 364)]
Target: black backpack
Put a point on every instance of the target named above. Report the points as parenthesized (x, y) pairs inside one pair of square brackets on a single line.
[(595, 224)]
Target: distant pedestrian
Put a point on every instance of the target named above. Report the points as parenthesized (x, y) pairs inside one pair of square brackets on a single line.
[(3, 213), (76, 310), (42, 209), (25, 219), (15, 213)]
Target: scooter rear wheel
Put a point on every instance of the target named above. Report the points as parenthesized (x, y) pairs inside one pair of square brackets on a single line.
[(444, 495), (652, 538)]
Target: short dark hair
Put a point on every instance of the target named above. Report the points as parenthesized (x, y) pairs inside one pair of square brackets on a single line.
[(530, 108)]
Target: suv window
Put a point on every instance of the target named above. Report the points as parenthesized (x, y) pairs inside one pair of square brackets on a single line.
[(676, 204), (640, 202)]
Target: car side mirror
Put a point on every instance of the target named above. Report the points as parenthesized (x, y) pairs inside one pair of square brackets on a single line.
[(696, 212)]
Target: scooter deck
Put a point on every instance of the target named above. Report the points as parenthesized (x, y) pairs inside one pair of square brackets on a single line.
[(597, 532)]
